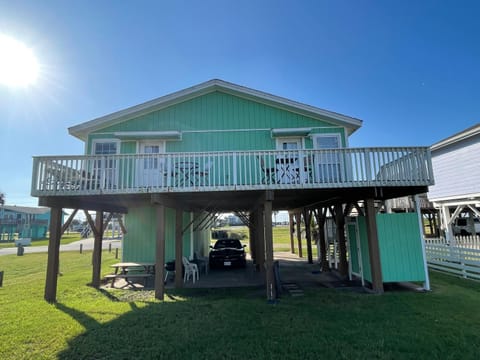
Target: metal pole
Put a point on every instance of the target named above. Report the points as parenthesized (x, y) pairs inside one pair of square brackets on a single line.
[(81, 248), (426, 285)]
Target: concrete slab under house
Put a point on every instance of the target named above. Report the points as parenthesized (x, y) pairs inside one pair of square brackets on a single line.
[(172, 163)]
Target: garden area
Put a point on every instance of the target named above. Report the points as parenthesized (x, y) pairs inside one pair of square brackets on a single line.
[(228, 323)]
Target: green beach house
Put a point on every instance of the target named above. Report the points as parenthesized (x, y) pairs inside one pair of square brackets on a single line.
[(172, 163)]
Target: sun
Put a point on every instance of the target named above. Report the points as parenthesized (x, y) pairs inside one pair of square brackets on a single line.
[(18, 65)]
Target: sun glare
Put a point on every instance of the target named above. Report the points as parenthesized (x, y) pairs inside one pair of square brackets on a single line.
[(18, 64)]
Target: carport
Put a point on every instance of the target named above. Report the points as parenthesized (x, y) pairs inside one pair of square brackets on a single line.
[(256, 205)]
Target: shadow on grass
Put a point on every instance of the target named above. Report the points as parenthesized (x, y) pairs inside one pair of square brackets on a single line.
[(233, 324), (108, 294), (86, 321), (183, 327)]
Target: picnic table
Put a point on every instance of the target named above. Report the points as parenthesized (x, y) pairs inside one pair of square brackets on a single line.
[(131, 272)]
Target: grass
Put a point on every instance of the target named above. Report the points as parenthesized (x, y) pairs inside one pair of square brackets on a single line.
[(66, 239), (228, 324)]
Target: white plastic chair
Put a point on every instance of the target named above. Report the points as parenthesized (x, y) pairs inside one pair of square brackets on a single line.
[(190, 270)]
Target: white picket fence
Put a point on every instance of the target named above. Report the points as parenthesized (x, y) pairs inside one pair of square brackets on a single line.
[(460, 257)]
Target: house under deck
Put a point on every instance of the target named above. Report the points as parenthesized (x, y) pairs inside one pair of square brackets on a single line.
[(252, 182)]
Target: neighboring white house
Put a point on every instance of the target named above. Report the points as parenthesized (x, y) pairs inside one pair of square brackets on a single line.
[(456, 167)]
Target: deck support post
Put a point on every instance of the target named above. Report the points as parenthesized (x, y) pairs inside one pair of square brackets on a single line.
[(160, 254), (342, 244), (447, 224), (321, 215), (307, 217), (292, 231), (260, 240), (252, 232), (53, 255), (373, 246), (298, 220), (178, 248), (270, 276), (97, 250)]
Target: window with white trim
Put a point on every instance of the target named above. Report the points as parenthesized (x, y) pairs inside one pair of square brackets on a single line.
[(105, 148), (105, 170), (328, 163)]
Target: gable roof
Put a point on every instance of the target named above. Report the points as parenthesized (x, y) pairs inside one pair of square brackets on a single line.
[(81, 131), (462, 135)]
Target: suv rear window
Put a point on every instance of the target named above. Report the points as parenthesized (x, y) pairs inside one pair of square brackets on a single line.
[(228, 243)]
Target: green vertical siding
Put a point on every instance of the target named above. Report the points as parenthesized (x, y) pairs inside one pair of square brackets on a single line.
[(400, 245), (140, 241), (352, 242), (128, 147), (217, 121)]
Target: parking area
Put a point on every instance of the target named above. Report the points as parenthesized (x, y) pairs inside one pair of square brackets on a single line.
[(291, 270)]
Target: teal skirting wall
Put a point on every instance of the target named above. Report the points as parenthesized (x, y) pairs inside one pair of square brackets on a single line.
[(140, 241), (400, 248)]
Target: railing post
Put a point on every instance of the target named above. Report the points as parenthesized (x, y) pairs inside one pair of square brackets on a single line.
[(234, 165), (368, 165), (103, 167), (35, 180), (429, 163)]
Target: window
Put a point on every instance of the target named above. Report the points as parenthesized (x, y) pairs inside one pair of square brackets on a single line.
[(330, 141), (151, 163), (329, 164), (105, 148), (105, 169)]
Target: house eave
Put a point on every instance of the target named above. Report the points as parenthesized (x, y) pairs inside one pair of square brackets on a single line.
[(82, 130), (463, 135)]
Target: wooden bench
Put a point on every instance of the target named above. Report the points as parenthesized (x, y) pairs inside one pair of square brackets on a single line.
[(129, 278)]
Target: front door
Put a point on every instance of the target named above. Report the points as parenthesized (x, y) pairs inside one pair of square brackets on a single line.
[(287, 167), (151, 165)]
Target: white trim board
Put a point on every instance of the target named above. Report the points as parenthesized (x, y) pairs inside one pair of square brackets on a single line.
[(465, 134)]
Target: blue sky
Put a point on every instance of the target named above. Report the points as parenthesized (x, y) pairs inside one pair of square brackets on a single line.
[(409, 69)]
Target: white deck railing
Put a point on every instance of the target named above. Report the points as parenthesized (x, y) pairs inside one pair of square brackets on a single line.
[(230, 170)]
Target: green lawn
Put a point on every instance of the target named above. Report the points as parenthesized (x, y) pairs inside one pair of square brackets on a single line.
[(228, 324), (66, 239)]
